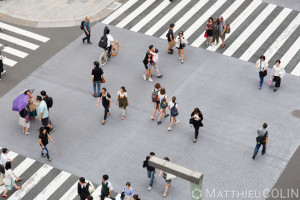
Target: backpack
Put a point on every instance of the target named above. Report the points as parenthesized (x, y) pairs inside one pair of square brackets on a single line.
[(163, 103), (260, 138), (103, 39), (154, 96), (49, 101), (82, 25), (227, 27), (174, 111), (91, 187)]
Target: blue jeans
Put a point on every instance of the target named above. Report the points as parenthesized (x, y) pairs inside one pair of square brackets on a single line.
[(96, 84), (106, 110), (261, 78), (151, 176), (45, 147), (258, 146)]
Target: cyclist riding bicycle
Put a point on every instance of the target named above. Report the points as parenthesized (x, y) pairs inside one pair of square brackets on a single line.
[(110, 42)]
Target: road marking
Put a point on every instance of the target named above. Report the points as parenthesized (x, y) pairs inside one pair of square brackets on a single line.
[(203, 18), (14, 52), (9, 62), (167, 17), (135, 13), (31, 182), (225, 15), (296, 70), (53, 186), (11, 155), (71, 193), (265, 34), (17, 41), (150, 16), (290, 53), (239, 20), (118, 12), (186, 16), (96, 194), (24, 32), (249, 30), (283, 37)]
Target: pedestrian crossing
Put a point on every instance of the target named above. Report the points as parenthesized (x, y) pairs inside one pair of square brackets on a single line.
[(257, 27), (44, 182), (16, 43)]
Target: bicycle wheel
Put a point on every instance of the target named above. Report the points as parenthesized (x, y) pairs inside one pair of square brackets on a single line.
[(103, 58), (115, 49)]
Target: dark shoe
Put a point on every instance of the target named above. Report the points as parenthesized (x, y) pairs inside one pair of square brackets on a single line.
[(52, 130), (253, 157), (170, 53), (167, 115), (263, 153), (82, 41), (159, 76), (171, 50), (90, 43), (158, 123), (275, 89)]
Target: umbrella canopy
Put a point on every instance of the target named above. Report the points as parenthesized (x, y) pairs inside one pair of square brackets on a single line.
[(20, 102)]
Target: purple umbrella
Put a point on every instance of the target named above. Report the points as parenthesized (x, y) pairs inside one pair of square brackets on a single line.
[(20, 102)]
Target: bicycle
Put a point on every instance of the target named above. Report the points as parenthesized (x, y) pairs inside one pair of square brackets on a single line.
[(104, 56)]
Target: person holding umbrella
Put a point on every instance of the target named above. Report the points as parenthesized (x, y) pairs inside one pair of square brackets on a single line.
[(24, 120), (20, 105)]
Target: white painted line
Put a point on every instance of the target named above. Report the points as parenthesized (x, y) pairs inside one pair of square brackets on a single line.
[(9, 62), (150, 16), (249, 30), (290, 53), (186, 17), (265, 34), (167, 17), (24, 32), (53, 186), (31, 182), (135, 13), (225, 15), (14, 52), (118, 197), (118, 12), (239, 20), (203, 18), (23, 166), (17, 41), (283, 37), (12, 155), (71, 193), (96, 194), (296, 70)]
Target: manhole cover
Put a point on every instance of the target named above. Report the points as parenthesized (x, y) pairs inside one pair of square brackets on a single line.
[(114, 6), (296, 113)]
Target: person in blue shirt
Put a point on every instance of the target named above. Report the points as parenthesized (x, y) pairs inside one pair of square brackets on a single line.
[(87, 30), (43, 113)]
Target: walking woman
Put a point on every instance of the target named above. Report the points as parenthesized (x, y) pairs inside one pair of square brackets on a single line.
[(148, 62), (216, 32), (155, 100), (277, 74), (43, 140), (209, 31), (180, 44), (10, 179), (123, 101), (2, 71), (31, 107), (24, 120), (136, 197), (163, 97), (196, 118), (174, 112), (262, 66), (128, 192), (167, 179)]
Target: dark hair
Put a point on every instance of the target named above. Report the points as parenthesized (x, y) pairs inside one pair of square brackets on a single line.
[(148, 54), (263, 57), (265, 125), (181, 32), (96, 63), (105, 177), (123, 88), (172, 25), (157, 85), (107, 31), (166, 158), (218, 21), (278, 61), (212, 19), (4, 150), (150, 47), (128, 184), (90, 197), (152, 153), (26, 91), (8, 165), (42, 129), (136, 197), (197, 110), (43, 93), (82, 180), (173, 99), (39, 98), (162, 91), (104, 89)]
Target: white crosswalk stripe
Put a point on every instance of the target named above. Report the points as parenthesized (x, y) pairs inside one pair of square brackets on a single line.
[(14, 52), (71, 193), (290, 53), (17, 41), (296, 70)]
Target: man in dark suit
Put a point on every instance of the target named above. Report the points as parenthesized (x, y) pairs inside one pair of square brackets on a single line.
[(83, 189)]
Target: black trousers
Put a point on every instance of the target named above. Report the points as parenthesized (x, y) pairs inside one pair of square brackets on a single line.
[(87, 36), (1, 67), (196, 126), (277, 80)]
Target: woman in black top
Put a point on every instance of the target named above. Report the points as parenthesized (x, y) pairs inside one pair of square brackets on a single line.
[(197, 121), (24, 120), (148, 62), (43, 139), (209, 31)]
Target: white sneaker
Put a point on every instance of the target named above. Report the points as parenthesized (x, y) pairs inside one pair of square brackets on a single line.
[(149, 188), (144, 77), (150, 79), (179, 58), (3, 72), (153, 118), (169, 129), (177, 122)]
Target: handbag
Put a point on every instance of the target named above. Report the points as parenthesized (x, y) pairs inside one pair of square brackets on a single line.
[(191, 120), (32, 107), (44, 151), (26, 118), (102, 79), (205, 34), (262, 73), (91, 188)]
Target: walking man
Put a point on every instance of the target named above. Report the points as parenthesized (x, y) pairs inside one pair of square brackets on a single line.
[(83, 189), (43, 140), (107, 188), (154, 53), (97, 72), (171, 40), (106, 102), (150, 170), (43, 113), (222, 30), (261, 139), (87, 30)]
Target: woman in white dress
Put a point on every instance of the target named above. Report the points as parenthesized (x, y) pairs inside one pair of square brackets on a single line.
[(10, 179)]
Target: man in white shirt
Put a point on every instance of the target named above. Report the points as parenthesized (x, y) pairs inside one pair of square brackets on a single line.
[(110, 42), (107, 188)]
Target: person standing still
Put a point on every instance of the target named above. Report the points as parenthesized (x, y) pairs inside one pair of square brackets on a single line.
[(97, 73), (49, 102), (197, 118), (222, 29), (261, 139), (209, 31), (150, 170), (171, 40), (262, 66), (87, 30), (24, 120), (128, 192), (123, 101), (106, 102), (154, 53), (43, 140), (107, 188), (83, 189), (216, 32), (43, 113)]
